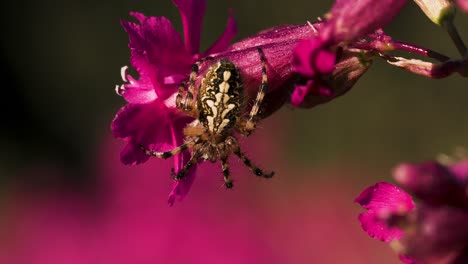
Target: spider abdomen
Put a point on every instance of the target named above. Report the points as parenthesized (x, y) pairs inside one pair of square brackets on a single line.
[(219, 99)]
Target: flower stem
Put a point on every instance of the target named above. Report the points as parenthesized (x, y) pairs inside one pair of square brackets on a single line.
[(383, 48), (453, 33), (399, 45)]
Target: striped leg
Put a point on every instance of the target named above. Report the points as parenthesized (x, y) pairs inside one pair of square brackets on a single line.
[(226, 173), (187, 104), (180, 95), (250, 123), (181, 174), (247, 162), (167, 154)]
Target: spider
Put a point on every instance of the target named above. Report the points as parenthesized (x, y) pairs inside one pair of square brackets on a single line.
[(218, 110)]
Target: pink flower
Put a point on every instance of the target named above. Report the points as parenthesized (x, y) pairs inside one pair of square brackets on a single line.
[(381, 201), (315, 59), (162, 60), (124, 220), (433, 231), (463, 4)]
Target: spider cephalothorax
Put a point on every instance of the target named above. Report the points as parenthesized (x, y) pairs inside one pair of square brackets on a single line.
[(218, 110)]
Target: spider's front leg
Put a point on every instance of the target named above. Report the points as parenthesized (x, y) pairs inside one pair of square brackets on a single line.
[(187, 103), (167, 154), (181, 173), (249, 125)]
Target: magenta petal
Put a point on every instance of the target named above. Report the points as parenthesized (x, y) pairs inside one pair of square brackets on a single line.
[(138, 91), (376, 228), (408, 260), (325, 61), (223, 42), (192, 13), (385, 196), (181, 188), (463, 4), (148, 125), (431, 182), (131, 154), (300, 92), (157, 50), (383, 199), (303, 56), (460, 170), (139, 16), (354, 19)]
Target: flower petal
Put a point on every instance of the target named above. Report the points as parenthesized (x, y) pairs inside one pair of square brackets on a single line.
[(431, 182), (305, 56), (383, 199), (223, 42), (192, 13), (157, 50), (385, 196), (463, 4), (377, 228), (408, 260), (460, 170), (437, 232), (138, 91), (148, 125), (300, 92), (181, 187), (349, 20)]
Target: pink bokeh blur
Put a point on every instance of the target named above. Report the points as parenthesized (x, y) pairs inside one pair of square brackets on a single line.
[(127, 219)]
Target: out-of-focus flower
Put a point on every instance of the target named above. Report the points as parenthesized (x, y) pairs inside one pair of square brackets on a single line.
[(381, 201), (438, 11), (316, 59), (433, 231), (162, 60), (124, 220), (463, 4)]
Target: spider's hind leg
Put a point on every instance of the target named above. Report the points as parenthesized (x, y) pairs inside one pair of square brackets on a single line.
[(249, 125), (236, 150)]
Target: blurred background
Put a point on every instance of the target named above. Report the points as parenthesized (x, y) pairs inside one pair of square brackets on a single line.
[(65, 197)]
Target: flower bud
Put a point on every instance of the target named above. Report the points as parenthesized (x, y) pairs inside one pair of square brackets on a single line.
[(438, 11), (351, 65)]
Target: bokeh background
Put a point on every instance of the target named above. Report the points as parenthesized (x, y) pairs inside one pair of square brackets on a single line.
[(65, 198)]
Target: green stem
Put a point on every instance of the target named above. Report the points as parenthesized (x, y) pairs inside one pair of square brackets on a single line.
[(453, 33)]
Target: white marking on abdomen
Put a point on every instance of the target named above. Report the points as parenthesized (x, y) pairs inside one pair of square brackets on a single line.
[(227, 110), (223, 124), (226, 75)]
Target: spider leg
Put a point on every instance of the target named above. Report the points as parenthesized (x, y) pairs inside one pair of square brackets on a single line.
[(181, 174), (180, 95), (187, 104), (170, 153), (231, 141), (226, 172), (250, 125)]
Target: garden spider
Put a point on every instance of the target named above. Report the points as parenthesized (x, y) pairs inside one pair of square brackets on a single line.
[(218, 109)]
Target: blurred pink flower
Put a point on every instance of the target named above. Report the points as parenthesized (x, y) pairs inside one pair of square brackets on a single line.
[(433, 231), (463, 4), (381, 201), (124, 220)]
